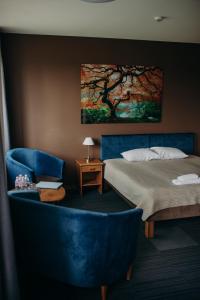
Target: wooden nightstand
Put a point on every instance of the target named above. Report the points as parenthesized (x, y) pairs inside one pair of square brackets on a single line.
[(90, 174)]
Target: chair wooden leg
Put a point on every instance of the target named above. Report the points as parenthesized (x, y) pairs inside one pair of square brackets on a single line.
[(103, 292), (149, 229), (129, 273)]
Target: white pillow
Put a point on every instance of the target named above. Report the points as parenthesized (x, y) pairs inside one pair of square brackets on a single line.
[(169, 152), (140, 154)]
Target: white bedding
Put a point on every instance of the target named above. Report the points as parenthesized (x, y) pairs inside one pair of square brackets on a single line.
[(149, 185)]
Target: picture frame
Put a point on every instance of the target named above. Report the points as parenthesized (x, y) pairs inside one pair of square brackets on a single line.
[(120, 93)]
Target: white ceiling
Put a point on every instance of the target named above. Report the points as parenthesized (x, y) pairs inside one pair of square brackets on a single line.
[(128, 19)]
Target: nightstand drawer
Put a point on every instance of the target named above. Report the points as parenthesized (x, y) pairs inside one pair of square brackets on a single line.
[(90, 168)]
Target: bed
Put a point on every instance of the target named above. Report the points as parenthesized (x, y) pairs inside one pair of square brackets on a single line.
[(176, 201)]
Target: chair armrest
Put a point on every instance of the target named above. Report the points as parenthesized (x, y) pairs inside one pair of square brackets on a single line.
[(15, 168)]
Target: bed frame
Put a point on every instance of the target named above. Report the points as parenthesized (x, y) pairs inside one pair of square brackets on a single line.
[(113, 145)]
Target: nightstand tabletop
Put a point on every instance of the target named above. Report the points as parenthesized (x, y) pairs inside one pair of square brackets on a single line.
[(95, 161)]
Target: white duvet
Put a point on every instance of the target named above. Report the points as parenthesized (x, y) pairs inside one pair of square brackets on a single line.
[(149, 185)]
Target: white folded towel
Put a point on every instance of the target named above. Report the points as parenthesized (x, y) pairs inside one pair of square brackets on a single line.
[(181, 182), (188, 177)]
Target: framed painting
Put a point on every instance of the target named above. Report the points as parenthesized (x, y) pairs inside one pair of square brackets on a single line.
[(120, 93)]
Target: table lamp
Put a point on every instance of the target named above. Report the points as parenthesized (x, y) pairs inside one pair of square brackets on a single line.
[(88, 141)]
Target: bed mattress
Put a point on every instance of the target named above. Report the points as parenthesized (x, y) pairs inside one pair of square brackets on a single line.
[(148, 184)]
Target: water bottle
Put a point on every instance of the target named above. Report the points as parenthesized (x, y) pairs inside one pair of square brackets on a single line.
[(26, 181), (20, 183), (17, 182), (23, 185)]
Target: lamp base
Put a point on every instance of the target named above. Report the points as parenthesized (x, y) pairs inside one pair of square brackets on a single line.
[(87, 160)]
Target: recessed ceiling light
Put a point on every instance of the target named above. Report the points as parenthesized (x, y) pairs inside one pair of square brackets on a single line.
[(97, 1), (159, 18)]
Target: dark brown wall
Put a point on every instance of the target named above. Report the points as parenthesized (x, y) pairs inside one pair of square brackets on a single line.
[(43, 89)]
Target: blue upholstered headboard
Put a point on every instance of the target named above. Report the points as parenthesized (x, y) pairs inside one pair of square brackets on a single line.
[(113, 145)]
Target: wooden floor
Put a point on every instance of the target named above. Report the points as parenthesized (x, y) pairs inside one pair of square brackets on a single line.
[(161, 275)]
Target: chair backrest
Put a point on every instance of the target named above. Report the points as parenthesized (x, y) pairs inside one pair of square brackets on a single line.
[(79, 247), (48, 165), (104, 246)]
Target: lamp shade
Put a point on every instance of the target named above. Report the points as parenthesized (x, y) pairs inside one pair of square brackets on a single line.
[(88, 141)]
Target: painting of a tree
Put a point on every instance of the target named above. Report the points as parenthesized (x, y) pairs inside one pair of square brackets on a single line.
[(120, 93)]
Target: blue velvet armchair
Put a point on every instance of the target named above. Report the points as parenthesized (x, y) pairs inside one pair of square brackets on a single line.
[(35, 163), (78, 247)]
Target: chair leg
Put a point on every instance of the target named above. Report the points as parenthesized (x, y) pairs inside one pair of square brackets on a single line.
[(103, 292), (129, 273)]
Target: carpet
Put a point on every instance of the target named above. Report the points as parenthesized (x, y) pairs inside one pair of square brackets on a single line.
[(171, 238)]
